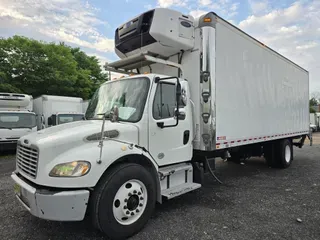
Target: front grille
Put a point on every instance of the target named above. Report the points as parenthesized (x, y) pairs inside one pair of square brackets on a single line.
[(27, 160)]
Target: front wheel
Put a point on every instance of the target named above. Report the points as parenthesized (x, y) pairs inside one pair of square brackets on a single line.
[(123, 201)]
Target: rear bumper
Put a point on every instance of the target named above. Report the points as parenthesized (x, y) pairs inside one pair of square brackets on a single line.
[(51, 205)]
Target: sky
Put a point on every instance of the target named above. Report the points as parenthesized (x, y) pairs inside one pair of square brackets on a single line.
[(290, 27)]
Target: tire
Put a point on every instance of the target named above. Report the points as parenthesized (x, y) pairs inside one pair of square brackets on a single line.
[(126, 191), (269, 155), (279, 154), (284, 153)]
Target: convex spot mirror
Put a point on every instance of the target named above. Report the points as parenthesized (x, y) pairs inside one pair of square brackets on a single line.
[(184, 99)]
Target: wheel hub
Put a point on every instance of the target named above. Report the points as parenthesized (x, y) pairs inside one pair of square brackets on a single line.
[(133, 202), (130, 202)]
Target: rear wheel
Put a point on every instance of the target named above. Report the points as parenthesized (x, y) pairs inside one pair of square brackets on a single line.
[(284, 153), (123, 201), (279, 154)]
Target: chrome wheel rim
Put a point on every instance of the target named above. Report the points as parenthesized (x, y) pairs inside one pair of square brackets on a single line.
[(130, 202), (287, 154)]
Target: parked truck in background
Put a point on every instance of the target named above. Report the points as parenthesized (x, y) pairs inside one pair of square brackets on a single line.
[(55, 110), (85, 105), (315, 121), (16, 118), (153, 134)]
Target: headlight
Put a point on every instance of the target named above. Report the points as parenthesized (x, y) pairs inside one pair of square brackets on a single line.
[(70, 169)]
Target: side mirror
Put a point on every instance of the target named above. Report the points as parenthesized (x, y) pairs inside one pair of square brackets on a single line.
[(178, 92), (52, 120), (178, 101)]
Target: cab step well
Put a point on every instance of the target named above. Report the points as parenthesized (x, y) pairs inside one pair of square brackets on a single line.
[(179, 190), (176, 180)]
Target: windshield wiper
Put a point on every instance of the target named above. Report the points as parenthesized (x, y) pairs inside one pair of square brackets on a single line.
[(6, 128)]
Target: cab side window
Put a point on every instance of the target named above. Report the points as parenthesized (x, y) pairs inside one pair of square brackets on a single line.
[(165, 101)]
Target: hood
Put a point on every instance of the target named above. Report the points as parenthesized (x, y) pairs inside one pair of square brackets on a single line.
[(14, 133), (62, 136)]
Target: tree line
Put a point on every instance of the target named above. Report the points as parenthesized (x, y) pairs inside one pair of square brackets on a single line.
[(35, 67)]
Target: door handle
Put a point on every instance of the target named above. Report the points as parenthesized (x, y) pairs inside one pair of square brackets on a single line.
[(186, 136)]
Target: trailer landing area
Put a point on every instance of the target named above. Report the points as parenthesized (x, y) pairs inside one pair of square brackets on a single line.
[(255, 202)]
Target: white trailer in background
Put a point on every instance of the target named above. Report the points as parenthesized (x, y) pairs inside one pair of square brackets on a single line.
[(85, 105), (315, 121), (55, 110), (151, 136), (16, 118)]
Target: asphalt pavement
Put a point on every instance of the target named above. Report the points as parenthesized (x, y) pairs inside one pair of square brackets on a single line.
[(254, 202)]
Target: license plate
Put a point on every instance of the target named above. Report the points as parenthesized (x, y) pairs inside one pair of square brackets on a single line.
[(17, 189)]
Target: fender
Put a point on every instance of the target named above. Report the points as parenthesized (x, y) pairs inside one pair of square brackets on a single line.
[(112, 153), (141, 156)]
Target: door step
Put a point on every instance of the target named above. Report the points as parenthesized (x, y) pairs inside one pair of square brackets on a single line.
[(179, 190)]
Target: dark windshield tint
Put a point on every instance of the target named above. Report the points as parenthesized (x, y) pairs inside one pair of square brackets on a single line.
[(65, 118), (129, 95), (17, 120)]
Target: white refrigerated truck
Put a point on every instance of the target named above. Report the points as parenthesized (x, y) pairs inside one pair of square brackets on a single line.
[(151, 135), (314, 121), (16, 118), (85, 105), (55, 110)]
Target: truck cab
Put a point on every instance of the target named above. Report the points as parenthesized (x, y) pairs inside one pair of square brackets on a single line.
[(16, 118), (148, 103)]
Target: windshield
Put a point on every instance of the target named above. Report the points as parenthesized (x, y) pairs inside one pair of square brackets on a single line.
[(129, 95), (17, 120), (65, 118)]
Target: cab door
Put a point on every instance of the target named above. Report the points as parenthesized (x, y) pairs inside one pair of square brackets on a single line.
[(169, 144)]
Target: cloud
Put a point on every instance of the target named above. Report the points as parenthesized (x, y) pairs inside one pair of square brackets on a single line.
[(148, 6), (292, 31), (224, 8), (71, 21), (169, 3), (259, 7), (307, 46), (197, 13), (205, 2)]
